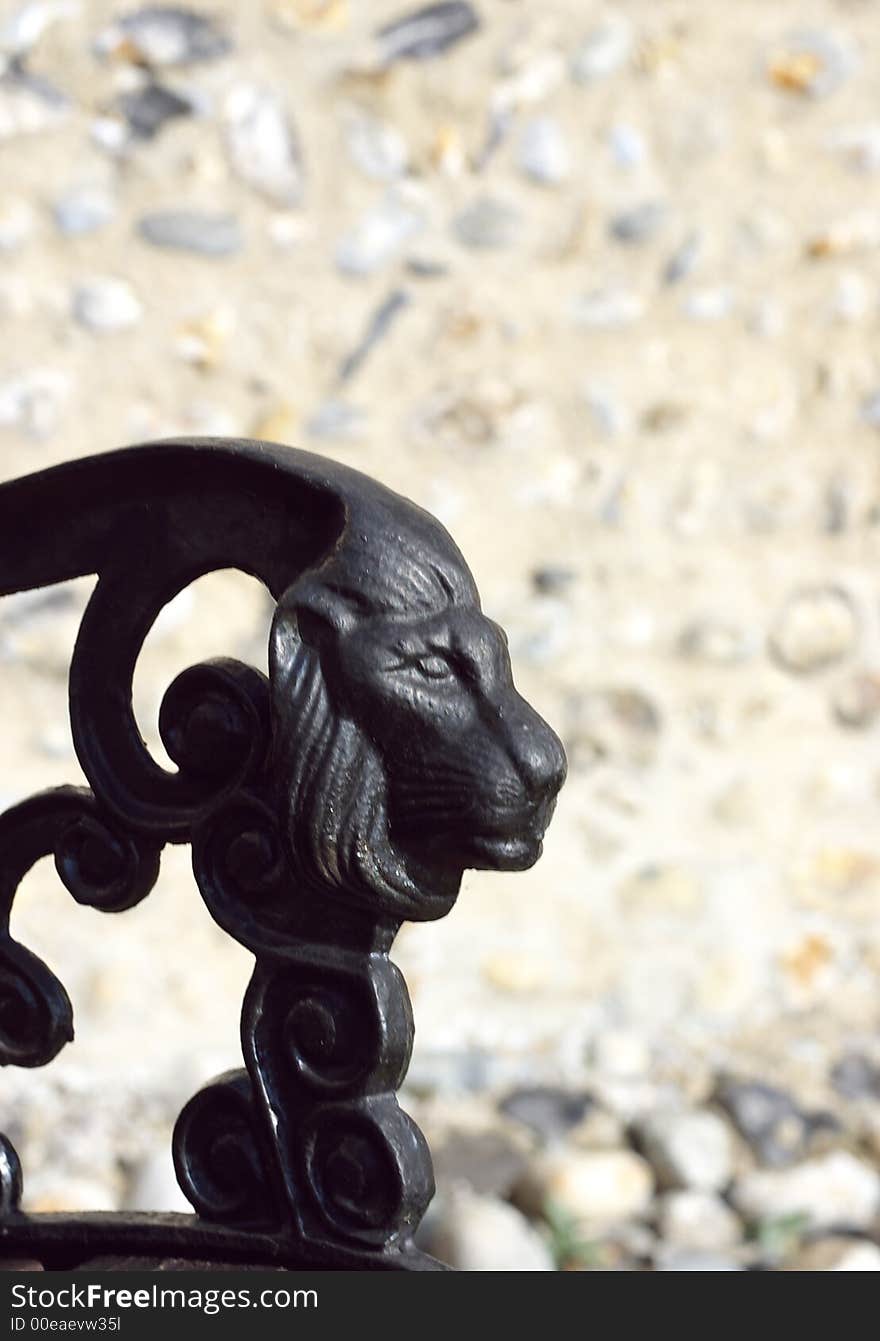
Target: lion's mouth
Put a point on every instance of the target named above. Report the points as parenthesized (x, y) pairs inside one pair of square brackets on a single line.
[(517, 844), (508, 841), (506, 853)]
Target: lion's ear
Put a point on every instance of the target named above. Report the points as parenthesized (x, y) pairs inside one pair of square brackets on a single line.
[(313, 628), (321, 610)]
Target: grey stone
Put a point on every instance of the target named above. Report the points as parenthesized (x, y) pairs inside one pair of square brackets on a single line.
[(767, 1118), (488, 224), (548, 1111), (683, 260), (378, 327), (427, 32), (642, 223), (163, 35), (836, 505), (148, 109), (855, 1076), (553, 579), (486, 1159), (200, 231)]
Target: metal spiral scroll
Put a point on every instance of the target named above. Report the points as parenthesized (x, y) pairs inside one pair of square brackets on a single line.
[(326, 1035), (102, 867), (216, 1156), (214, 724), (327, 1049)]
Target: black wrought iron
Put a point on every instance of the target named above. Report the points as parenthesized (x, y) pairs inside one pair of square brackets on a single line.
[(387, 752)]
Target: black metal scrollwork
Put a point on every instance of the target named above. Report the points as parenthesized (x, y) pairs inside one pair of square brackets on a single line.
[(387, 752), (217, 1157), (101, 865)]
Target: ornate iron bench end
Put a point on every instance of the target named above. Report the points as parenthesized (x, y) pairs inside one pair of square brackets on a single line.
[(386, 752)]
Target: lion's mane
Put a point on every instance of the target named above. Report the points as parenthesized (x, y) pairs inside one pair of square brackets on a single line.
[(334, 793)]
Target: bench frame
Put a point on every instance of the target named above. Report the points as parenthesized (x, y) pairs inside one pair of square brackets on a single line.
[(303, 1156)]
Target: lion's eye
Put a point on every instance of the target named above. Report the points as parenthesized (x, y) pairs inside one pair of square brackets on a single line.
[(432, 667)]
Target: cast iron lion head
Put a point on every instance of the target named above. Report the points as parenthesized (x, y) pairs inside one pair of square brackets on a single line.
[(405, 753), (402, 752)]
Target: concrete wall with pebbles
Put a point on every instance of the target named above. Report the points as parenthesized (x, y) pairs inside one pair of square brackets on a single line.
[(600, 285)]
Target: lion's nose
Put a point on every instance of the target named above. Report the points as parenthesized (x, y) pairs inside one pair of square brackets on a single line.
[(539, 756)]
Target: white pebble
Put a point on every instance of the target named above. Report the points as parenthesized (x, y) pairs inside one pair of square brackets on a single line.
[(608, 309), (692, 1149), (377, 238), (377, 149), (692, 1219), (603, 52), (627, 146), (16, 223), (105, 304), (833, 1189), (83, 210), (262, 145), (594, 1187), (708, 304), (474, 1233), (32, 401), (543, 152)]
